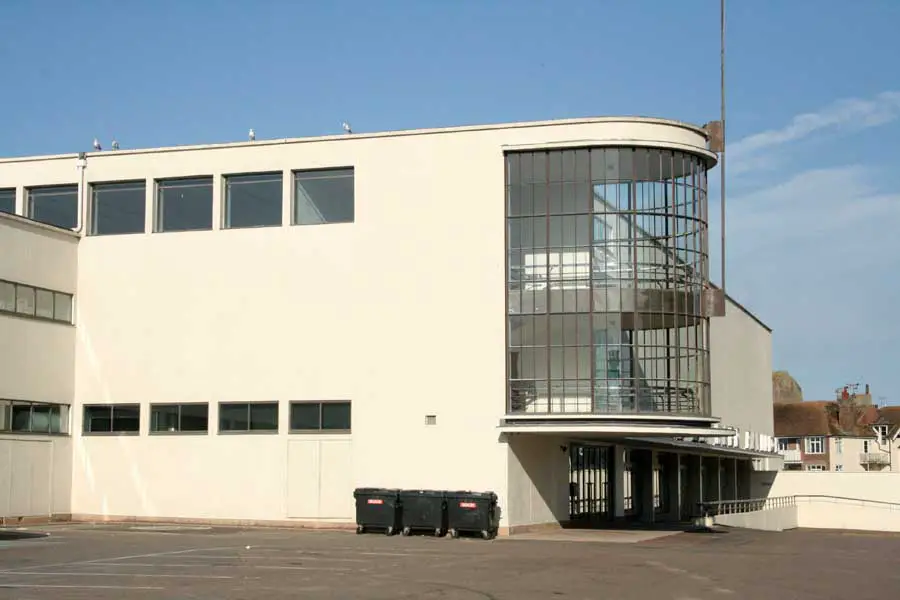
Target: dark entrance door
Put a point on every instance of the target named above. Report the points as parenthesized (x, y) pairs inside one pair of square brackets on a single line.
[(589, 483)]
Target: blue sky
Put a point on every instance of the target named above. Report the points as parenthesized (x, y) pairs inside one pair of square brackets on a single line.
[(813, 114)]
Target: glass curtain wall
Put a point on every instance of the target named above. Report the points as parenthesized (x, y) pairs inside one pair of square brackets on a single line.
[(607, 260)]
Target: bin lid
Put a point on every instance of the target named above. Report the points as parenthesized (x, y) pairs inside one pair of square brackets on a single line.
[(375, 491), (468, 494)]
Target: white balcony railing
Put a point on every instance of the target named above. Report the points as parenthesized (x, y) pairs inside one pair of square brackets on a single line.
[(874, 458), (791, 456)]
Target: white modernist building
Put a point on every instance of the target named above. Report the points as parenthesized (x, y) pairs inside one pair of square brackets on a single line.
[(247, 332)]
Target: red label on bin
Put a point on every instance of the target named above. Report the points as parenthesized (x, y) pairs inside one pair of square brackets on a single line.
[(467, 505), (375, 501)]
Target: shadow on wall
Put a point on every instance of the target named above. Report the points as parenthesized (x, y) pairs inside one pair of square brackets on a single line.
[(538, 480)]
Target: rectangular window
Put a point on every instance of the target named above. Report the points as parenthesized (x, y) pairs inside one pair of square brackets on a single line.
[(25, 300), (253, 200), (815, 467), (179, 418), (324, 196), (839, 446), (320, 416), (54, 205), (248, 416), (33, 417), (866, 446), (7, 296), (62, 307), (783, 444), (118, 207), (838, 468), (815, 445), (184, 204), (8, 201), (112, 418), (28, 301)]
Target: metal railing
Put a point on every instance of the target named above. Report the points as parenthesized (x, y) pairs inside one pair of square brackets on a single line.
[(791, 456), (733, 507), (874, 458)]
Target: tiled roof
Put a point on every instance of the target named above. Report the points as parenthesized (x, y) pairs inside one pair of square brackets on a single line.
[(819, 417)]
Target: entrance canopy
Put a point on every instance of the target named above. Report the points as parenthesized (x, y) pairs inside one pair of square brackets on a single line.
[(615, 429)]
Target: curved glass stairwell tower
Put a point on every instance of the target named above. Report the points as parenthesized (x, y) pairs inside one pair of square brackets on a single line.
[(607, 262)]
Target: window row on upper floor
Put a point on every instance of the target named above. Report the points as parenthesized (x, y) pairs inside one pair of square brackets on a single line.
[(186, 204), (20, 416), (25, 300), (234, 417)]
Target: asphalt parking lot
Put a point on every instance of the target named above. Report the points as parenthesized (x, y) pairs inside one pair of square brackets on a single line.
[(100, 562)]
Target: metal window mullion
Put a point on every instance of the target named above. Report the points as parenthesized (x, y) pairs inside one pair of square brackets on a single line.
[(635, 344), (673, 281), (547, 307), (593, 352)]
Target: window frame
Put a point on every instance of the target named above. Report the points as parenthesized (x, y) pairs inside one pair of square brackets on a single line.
[(250, 430), (112, 408), (226, 199), (159, 185), (4, 192), (91, 229), (6, 408), (35, 292), (297, 174), (28, 209), (809, 441), (180, 430), (321, 404), (815, 468)]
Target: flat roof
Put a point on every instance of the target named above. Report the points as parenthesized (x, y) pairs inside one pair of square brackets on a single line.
[(356, 136)]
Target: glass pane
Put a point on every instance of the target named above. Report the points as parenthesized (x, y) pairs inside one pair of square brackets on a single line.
[(97, 419), (253, 200), (7, 296), (126, 418), (324, 197), (194, 417), (54, 205), (8, 201), (25, 300), (184, 204), (164, 417), (264, 417), (62, 307), (44, 304), (305, 416), (118, 208), (336, 415), (41, 418), (21, 417), (234, 417)]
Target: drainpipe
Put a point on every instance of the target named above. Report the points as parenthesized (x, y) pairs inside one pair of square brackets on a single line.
[(81, 165)]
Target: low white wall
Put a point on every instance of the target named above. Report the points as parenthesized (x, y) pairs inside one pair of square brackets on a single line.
[(826, 513), (35, 476), (883, 487), (234, 477), (775, 519)]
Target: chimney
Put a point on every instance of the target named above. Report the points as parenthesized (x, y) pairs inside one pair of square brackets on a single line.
[(867, 389), (846, 415)]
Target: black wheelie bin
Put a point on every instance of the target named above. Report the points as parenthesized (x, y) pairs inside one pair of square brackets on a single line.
[(423, 510), (472, 512), (377, 509)]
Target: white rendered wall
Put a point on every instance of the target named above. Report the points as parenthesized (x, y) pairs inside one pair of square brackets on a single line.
[(401, 312), (37, 363), (37, 358), (741, 372)]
